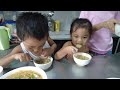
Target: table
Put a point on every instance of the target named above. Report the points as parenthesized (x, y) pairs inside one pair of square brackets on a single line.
[(100, 67)]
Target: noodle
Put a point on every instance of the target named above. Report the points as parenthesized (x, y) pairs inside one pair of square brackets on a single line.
[(25, 74), (42, 61)]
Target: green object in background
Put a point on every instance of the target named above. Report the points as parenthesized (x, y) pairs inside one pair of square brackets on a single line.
[(5, 35)]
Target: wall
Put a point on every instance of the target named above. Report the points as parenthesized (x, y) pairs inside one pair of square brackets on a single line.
[(8, 15), (65, 17)]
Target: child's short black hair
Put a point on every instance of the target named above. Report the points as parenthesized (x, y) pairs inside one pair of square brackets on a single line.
[(32, 24), (81, 23)]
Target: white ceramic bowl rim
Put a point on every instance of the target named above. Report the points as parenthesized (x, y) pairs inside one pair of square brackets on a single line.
[(84, 54), (1, 68), (38, 70)]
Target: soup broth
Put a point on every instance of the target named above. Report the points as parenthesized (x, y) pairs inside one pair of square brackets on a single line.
[(82, 57), (25, 74), (42, 61)]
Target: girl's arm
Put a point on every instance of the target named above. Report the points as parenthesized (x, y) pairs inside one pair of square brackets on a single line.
[(10, 57), (62, 52)]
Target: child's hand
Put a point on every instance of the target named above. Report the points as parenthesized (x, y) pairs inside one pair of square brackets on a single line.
[(70, 50), (23, 57), (47, 52)]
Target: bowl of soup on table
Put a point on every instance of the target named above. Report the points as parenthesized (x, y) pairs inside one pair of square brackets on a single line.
[(82, 59), (43, 63)]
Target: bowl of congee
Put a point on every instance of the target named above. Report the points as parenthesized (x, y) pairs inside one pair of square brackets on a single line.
[(26, 72), (43, 63), (81, 58)]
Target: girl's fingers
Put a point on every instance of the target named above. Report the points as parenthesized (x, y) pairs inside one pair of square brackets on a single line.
[(74, 50)]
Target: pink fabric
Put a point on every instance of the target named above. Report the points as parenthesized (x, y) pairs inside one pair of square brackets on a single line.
[(101, 41)]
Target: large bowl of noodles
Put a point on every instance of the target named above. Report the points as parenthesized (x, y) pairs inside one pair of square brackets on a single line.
[(26, 72)]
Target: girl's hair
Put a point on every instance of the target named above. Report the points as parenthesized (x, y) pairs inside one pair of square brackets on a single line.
[(30, 24), (81, 23)]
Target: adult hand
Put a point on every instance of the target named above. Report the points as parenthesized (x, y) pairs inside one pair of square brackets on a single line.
[(110, 24)]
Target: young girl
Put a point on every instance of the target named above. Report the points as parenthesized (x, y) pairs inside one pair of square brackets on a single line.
[(81, 31), (32, 30)]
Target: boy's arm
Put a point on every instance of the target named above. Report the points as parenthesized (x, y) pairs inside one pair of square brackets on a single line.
[(52, 44), (10, 57)]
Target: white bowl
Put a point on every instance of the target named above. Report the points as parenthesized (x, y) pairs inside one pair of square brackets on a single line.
[(35, 69), (117, 29), (112, 78), (44, 66), (1, 70), (80, 62)]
